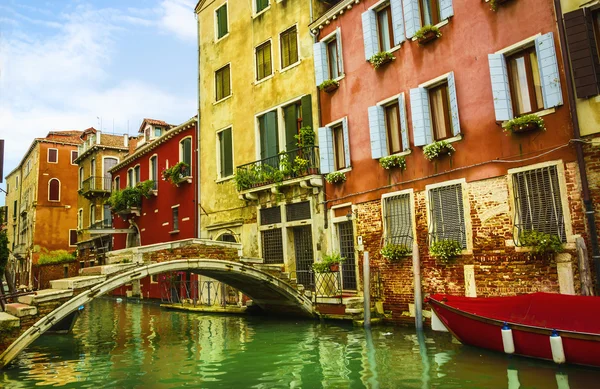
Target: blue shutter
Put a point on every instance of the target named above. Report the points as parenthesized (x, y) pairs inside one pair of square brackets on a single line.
[(346, 142), (446, 9), (338, 36), (412, 17), (377, 131), (500, 87), (421, 119), (397, 21), (548, 65), (403, 123), (326, 149), (320, 58), (369, 24), (453, 105)]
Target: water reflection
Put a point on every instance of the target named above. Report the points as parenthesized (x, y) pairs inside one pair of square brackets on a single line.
[(143, 346)]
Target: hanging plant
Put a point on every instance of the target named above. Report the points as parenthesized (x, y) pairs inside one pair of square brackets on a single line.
[(329, 86), (436, 149), (381, 58), (335, 178), (445, 250), (427, 33), (393, 161), (129, 198), (524, 123), (177, 173)]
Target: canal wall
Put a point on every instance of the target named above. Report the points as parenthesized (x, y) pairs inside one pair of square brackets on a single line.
[(43, 274)]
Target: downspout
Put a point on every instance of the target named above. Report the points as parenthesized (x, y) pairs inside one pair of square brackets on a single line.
[(587, 201), (198, 148)]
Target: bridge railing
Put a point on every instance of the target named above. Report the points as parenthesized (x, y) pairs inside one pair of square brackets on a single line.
[(203, 293)]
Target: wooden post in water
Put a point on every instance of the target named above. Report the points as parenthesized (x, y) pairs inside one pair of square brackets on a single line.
[(367, 290), (417, 279)]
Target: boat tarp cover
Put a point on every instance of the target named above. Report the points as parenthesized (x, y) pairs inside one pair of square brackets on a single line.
[(547, 310)]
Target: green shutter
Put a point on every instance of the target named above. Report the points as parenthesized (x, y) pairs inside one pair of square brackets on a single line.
[(222, 21), (187, 152), (268, 134), (226, 153), (290, 116), (306, 111), (226, 83)]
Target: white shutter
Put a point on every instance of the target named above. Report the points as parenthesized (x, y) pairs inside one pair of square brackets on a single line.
[(446, 9), (338, 39), (369, 24), (403, 122), (320, 58), (397, 21), (326, 149), (377, 132), (412, 17), (421, 119), (500, 87), (346, 142), (548, 65), (453, 105)]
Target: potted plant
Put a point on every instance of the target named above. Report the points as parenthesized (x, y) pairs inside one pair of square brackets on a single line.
[(329, 263), (381, 58), (541, 242), (335, 178), (177, 173), (427, 33), (393, 161), (395, 252), (436, 149), (128, 200), (329, 86), (445, 249), (524, 123)]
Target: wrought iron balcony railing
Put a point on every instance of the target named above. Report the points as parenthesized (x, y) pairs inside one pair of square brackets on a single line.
[(279, 168), (96, 184)]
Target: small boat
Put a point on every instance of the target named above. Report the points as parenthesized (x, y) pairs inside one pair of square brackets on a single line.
[(562, 328)]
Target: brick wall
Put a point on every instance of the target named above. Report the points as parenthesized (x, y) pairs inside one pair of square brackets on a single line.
[(193, 251), (43, 274)]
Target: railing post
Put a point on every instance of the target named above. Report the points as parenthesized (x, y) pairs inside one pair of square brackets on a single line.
[(367, 290)]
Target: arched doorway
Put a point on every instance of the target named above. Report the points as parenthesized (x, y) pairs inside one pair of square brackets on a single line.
[(133, 238)]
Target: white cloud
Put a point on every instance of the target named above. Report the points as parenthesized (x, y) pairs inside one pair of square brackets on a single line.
[(178, 18)]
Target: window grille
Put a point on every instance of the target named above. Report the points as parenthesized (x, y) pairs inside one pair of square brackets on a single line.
[(270, 216), (297, 211), (398, 220), (304, 256), (272, 246), (538, 203), (447, 215), (346, 238)]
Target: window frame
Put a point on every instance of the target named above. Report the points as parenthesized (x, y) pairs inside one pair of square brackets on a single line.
[(76, 152), (436, 15), (596, 27), (282, 66), (217, 71), (137, 174), (175, 218), (388, 130), (386, 6), (81, 175), (339, 151), (217, 37), (92, 215), (130, 178), (268, 43), (524, 52), (50, 189), (261, 11), (48, 155), (70, 235), (220, 157), (413, 221), (153, 170), (80, 219), (446, 108), (181, 153)]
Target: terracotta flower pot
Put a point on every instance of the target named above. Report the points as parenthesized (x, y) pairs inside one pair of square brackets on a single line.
[(334, 267), (330, 88), (427, 37)]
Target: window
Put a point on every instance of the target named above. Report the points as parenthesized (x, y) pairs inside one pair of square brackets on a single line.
[(81, 177), (272, 238), (334, 146), (221, 21), (93, 167), (154, 171), (15, 209), (52, 155), (227, 238), (136, 171), (430, 12), (72, 237), (80, 219), (333, 59), (446, 215), (222, 83), (54, 190), (292, 116), (157, 132), (289, 47), (117, 183), (338, 147), (225, 153), (16, 182), (261, 5), (27, 168), (525, 82), (439, 104), (107, 216), (185, 153), (328, 57), (392, 125), (175, 214), (384, 28), (398, 226), (74, 156), (538, 203), (130, 178), (263, 61), (388, 127), (92, 214)]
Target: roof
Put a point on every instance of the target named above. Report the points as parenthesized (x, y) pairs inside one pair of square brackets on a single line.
[(153, 122)]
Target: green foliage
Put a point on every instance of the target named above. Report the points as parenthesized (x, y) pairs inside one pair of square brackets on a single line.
[(395, 252), (425, 30), (121, 200), (335, 177), (522, 123), (435, 149), (540, 242), (381, 58), (327, 260), (176, 174), (55, 257), (327, 83), (306, 137), (445, 250), (393, 161), (3, 252)]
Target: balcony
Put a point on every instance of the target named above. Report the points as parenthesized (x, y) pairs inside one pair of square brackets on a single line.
[(96, 186), (291, 167), (102, 227)]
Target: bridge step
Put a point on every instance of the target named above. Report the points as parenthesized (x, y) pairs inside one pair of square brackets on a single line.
[(9, 321), (44, 295), (20, 310), (77, 282), (105, 269)]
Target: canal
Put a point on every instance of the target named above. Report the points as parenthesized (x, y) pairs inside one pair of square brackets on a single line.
[(132, 345)]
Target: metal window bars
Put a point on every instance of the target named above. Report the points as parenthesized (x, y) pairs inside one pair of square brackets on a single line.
[(272, 245), (346, 239), (297, 211), (398, 221), (447, 220)]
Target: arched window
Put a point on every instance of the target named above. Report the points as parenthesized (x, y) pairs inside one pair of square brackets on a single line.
[(227, 238), (54, 190), (185, 153)]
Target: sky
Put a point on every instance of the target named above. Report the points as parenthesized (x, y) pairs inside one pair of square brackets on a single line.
[(75, 64)]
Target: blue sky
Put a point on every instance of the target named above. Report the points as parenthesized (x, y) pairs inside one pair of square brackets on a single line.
[(66, 63)]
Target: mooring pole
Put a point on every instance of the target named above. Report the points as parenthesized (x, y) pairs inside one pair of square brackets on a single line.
[(367, 290), (417, 278)]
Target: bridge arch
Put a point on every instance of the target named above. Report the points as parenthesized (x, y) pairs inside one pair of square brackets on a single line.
[(267, 291)]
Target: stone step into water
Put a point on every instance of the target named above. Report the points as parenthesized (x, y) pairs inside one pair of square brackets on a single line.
[(9, 321), (20, 310), (77, 282), (44, 295)]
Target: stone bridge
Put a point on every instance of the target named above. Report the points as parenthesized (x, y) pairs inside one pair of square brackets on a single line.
[(268, 287)]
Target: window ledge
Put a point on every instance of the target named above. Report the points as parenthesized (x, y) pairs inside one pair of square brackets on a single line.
[(340, 78), (298, 62), (224, 179), (439, 25), (400, 154), (539, 113), (223, 99), (449, 140), (395, 48), (174, 232), (264, 79), (221, 38), (344, 170), (254, 16)]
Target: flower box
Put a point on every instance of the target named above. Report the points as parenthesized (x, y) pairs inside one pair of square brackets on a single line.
[(330, 88), (525, 127), (381, 58), (427, 37), (524, 123)]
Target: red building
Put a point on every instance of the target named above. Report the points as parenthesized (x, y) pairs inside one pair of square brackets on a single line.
[(421, 126)]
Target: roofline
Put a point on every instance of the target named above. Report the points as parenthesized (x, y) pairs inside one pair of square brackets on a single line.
[(35, 141), (98, 146), (337, 9)]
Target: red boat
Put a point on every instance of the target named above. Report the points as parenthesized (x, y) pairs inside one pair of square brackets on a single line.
[(550, 326)]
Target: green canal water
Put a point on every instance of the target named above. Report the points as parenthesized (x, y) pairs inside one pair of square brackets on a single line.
[(131, 345)]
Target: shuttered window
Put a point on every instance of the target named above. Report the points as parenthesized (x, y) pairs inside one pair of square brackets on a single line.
[(222, 83), (384, 28), (446, 215), (525, 83), (289, 47), (154, 171), (263, 61), (398, 220), (53, 155), (54, 190), (130, 178), (261, 4), (225, 153), (439, 105), (332, 59), (334, 147), (538, 204), (72, 237), (269, 138), (74, 155), (186, 154), (175, 214), (338, 146), (92, 214), (117, 183), (582, 28), (392, 125), (221, 20), (430, 12), (137, 173)]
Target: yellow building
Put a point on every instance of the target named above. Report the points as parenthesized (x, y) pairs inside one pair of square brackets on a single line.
[(98, 153), (257, 90)]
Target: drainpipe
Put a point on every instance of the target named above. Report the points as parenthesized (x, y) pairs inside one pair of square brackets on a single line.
[(587, 201), (198, 170)]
